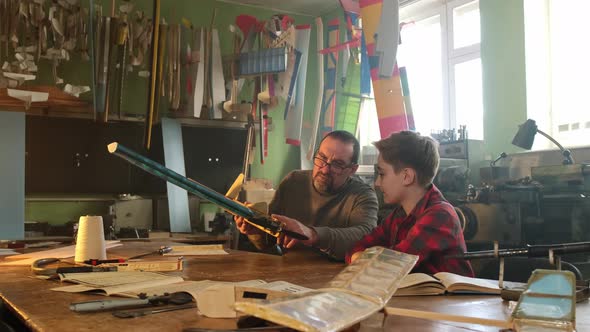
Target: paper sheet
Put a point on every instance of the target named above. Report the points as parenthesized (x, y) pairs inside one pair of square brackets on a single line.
[(197, 250), (7, 252), (120, 283)]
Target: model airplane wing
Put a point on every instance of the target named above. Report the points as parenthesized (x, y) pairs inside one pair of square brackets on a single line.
[(255, 217)]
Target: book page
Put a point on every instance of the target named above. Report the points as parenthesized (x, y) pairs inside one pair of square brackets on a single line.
[(110, 283), (421, 290), (457, 283), (419, 284), (197, 250), (414, 279)]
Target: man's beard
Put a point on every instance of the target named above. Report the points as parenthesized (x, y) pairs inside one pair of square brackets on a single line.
[(323, 183)]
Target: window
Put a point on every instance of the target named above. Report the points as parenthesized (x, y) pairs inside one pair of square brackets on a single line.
[(440, 48), (557, 69)]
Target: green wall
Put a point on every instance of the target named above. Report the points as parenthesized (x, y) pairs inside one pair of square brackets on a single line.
[(60, 212), (503, 72), (282, 157)]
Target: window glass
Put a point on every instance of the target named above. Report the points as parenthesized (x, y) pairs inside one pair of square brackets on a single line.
[(468, 97), (420, 53), (466, 25)]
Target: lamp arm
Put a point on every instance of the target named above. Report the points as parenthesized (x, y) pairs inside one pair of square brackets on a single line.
[(566, 153), (551, 139)]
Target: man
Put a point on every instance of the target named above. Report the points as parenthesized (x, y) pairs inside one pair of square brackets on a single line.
[(327, 204)]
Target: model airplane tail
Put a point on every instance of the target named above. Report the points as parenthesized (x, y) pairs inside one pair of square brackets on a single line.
[(257, 218)]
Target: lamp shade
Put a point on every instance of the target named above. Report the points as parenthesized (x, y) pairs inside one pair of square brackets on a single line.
[(525, 136)]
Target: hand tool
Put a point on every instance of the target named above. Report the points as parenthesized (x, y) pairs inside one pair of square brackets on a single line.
[(139, 313), (163, 250), (177, 298)]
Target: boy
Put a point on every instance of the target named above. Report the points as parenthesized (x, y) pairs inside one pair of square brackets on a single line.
[(424, 224)]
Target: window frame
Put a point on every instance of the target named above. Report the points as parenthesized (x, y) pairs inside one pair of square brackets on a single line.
[(450, 56)]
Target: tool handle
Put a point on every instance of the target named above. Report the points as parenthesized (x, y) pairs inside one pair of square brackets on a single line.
[(91, 306), (74, 269), (103, 261)]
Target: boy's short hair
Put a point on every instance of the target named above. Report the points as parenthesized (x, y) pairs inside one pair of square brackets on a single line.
[(410, 149)]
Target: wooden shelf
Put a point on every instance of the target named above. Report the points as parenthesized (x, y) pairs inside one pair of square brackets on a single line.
[(61, 105)]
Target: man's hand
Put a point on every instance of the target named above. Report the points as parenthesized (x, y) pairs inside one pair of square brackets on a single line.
[(295, 226)]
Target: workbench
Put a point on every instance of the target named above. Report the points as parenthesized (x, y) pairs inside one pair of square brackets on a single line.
[(40, 309)]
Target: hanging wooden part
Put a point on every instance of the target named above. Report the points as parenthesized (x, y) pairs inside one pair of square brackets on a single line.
[(350, 100), (294, 112), (93, 52), (163, 32), (109, 24), (353, 33), (149, 119), (365, 69), (318, 106), (249, 26), (388, 93), (190, 64), (175, 105), (217, 80), (329, 98), (407, 100), (199, 91), (170, 63), (232, 104), (121, 50), (387, 38)]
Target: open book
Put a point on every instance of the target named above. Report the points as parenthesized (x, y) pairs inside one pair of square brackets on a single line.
[(444, 282), (360, 290)]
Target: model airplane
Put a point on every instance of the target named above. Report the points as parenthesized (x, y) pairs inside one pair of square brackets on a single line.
[(252, 215)]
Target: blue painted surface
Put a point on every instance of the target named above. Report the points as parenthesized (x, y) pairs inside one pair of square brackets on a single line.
[(12, 175), (174, 159)]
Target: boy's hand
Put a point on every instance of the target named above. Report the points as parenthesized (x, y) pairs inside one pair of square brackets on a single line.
[(245, 227), (295, 226)]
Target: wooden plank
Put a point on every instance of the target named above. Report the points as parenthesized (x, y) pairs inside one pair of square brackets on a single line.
[(318, 105), (217, 80), (199, 91), (447, 317)]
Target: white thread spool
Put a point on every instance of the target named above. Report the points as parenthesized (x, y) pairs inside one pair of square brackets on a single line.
[(90, 242)]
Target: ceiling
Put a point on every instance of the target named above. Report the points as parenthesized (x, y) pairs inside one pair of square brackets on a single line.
[(301, 7)]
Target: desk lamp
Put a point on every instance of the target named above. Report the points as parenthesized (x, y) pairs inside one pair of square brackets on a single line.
[(525, 137)]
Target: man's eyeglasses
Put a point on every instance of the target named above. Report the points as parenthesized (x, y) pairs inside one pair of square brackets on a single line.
[(334, 168)]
